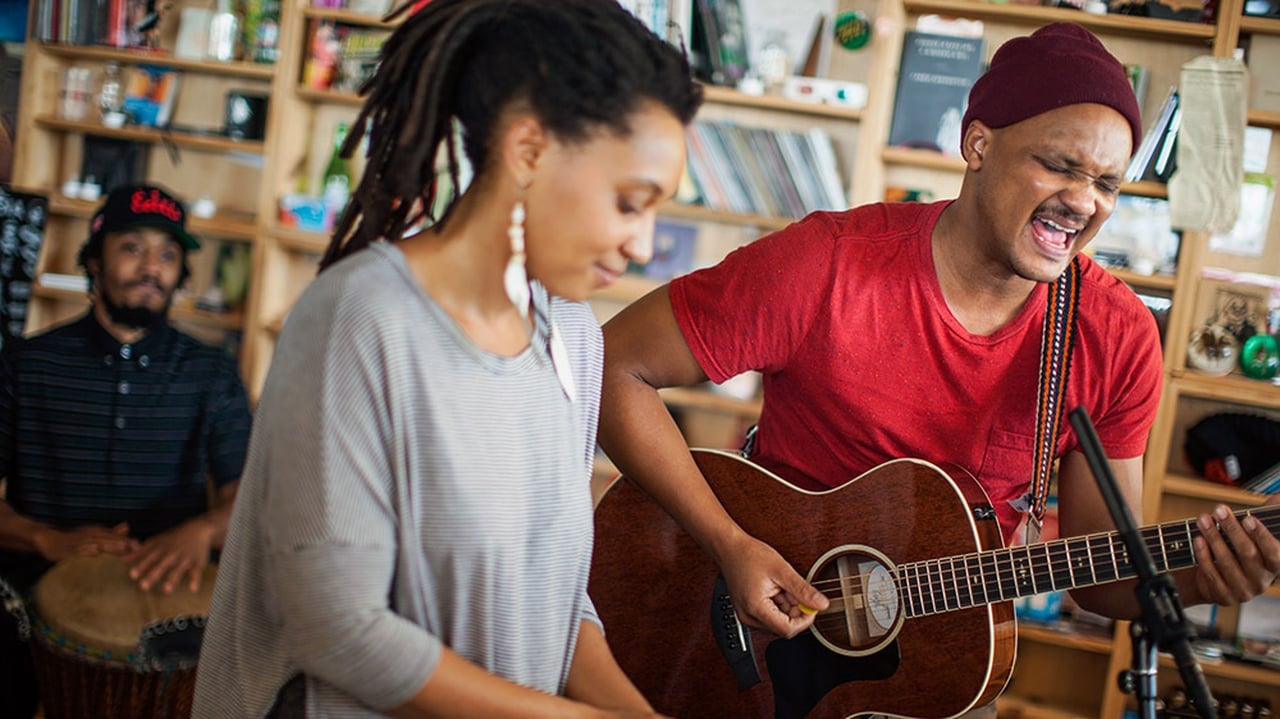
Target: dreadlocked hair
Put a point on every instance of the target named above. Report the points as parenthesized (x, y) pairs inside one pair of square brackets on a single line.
[(579, 66)]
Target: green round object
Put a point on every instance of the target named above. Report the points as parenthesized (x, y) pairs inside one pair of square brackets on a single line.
[(1260, 358), (853, 30)]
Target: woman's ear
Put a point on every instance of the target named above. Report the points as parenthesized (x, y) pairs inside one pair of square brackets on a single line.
[(524, 142)]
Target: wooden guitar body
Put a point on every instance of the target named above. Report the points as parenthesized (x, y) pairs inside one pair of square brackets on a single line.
[(654, 590)]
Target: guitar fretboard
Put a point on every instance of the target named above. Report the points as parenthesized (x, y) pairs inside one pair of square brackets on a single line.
[(970, 580)]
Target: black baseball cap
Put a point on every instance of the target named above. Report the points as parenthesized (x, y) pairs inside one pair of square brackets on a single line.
[(142, 206)]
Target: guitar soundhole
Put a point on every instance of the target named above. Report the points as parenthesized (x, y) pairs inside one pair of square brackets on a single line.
[(865, 610)]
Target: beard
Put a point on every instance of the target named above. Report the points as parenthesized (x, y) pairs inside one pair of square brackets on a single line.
[(138, 318)]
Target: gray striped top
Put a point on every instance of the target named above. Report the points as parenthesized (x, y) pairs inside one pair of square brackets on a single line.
[(404, 490)]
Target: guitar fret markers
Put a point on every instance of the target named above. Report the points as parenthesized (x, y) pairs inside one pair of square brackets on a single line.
[(960, 582)]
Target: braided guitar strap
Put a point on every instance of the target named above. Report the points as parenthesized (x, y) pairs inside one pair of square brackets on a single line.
[(1056, 340)]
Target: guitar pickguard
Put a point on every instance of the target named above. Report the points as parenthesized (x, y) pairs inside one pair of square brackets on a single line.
[(804, 671)]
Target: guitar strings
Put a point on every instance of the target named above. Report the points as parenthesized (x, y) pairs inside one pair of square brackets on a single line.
[(953, 577)]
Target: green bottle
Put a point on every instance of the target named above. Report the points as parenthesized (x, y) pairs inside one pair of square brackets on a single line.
[(338, 169), (337, 176)]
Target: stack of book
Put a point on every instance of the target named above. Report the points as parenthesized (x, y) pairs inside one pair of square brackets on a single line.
[(1156, 158), (760, 171), (116, 23), (342, 57), (1265, 482)]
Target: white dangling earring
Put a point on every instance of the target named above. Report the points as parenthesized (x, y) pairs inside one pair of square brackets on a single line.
[(514, 279)]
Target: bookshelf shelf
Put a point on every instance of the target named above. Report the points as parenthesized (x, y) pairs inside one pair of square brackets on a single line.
[(628, 288), (1014, 706), (1197, 488), (1153, 282), (347, 17), (231, 226), (1260, 25), (699, 212), (927, 159), (180, 312), (59, 294), (139, 134), (246, 70), (1067, 637), (310, 94), (932, 160), (222, 320), (1146, 188), (311, 243), (1231, 388), (1264, 118), (702, 399), (727, 96), (1238, 671), (1151, 28)]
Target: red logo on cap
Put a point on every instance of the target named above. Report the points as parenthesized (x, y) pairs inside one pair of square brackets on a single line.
[(142, 201)]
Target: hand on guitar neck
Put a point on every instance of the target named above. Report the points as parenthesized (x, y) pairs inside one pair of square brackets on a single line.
[(1237, 558)]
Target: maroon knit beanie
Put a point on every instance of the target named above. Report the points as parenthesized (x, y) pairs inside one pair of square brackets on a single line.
[(1058, 65)]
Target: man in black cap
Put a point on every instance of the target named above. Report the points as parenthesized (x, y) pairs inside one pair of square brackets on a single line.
[(915, 330), (112, 426)]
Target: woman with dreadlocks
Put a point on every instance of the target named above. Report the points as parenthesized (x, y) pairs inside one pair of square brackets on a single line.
[(413, 531)]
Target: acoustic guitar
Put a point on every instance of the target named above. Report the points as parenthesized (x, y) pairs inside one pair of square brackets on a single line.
[(921, 621)]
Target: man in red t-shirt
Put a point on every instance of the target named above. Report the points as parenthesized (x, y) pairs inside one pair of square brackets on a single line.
[(914, 330)]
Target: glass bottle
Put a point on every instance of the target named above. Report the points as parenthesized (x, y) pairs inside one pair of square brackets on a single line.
[(110, 97), (224, 33), (261, 31), (775, 62)]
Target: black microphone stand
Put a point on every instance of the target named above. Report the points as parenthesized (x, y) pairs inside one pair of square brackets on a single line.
[(1163, 625)]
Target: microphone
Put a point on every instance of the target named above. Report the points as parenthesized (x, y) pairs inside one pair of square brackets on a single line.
[(1162, 615)]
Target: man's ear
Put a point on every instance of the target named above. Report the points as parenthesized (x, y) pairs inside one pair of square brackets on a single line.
[(974, 143), (524, 142)]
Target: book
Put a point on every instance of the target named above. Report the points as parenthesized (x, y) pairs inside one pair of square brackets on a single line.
[(1140, 79), (150, 93), (719, 42), (673, 246), (1152, 136), (358, 57), (1265, 482), (827, 170), (764, 171), (934, 79)]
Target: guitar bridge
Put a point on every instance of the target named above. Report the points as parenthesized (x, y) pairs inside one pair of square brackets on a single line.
[(733, 638)]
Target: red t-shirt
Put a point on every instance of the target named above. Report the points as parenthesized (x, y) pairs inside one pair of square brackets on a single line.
[(863, 362)]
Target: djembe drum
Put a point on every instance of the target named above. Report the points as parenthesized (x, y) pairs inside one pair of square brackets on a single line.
[(104, 648)]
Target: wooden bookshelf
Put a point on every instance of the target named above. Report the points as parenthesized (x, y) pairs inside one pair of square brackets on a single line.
[(226, 225), (337, 97), (298, 132), (728, 96), (1034, 15), (246, 70), (208, 143), (347, 17)]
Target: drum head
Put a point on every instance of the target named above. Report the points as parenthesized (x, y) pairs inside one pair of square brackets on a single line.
[(92, 601)]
